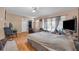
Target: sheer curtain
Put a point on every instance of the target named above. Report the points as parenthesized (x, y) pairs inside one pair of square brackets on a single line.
[(57, 23), (53, 24), (44, 24), (60, 26), (49, 24)]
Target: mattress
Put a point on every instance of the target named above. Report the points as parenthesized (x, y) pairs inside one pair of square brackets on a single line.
[(52, 41)]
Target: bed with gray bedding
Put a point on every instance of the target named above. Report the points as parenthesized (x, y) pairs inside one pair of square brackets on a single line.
[(45, 41)]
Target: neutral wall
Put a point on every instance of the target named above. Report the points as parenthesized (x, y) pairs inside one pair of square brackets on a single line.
[(12, 18), (78, 23), (2, 20), (15, 20)]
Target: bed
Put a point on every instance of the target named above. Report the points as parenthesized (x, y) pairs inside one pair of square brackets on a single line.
[(46, 41)]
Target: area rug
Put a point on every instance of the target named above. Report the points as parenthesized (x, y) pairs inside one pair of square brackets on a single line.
[(10, 46)]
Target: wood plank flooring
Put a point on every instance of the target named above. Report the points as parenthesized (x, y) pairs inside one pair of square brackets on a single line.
[(22, 44)]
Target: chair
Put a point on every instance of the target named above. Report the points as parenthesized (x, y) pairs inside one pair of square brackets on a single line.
[(8, 32)]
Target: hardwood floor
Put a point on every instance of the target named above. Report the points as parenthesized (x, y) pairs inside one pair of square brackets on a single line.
[(22, 44)]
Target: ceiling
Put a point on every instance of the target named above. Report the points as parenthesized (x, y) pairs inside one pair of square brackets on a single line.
[(41, 11)]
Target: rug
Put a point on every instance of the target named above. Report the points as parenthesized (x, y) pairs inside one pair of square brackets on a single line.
[(10, 46)]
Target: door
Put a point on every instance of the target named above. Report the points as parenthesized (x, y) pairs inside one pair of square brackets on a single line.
[(25, 25)]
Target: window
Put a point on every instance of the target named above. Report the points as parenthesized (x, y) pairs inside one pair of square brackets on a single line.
[(44, 24), (53, 24), (49, 24)]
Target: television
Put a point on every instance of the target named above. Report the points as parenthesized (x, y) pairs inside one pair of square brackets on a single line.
[(70, 24)]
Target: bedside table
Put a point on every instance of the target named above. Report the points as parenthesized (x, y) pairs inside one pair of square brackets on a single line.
[(76, 45)]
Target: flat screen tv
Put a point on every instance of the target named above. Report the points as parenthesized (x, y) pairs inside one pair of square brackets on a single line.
[(70, 24)]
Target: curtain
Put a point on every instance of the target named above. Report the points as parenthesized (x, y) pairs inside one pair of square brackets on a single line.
[(53, 24), (49, 24), (45, 24), (57, 22), (60, 26)]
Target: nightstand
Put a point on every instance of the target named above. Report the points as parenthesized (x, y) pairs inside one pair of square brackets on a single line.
[(77, 45)]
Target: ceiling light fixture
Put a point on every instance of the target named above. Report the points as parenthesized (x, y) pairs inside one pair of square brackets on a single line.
[(34, 9)]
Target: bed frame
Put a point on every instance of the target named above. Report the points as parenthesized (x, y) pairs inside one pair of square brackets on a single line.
[(37, 46)]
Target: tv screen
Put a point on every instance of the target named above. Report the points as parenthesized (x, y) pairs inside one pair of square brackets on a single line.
[(69, 24)]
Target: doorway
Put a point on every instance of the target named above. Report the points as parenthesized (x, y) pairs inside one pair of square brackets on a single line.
[(24, 25)]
